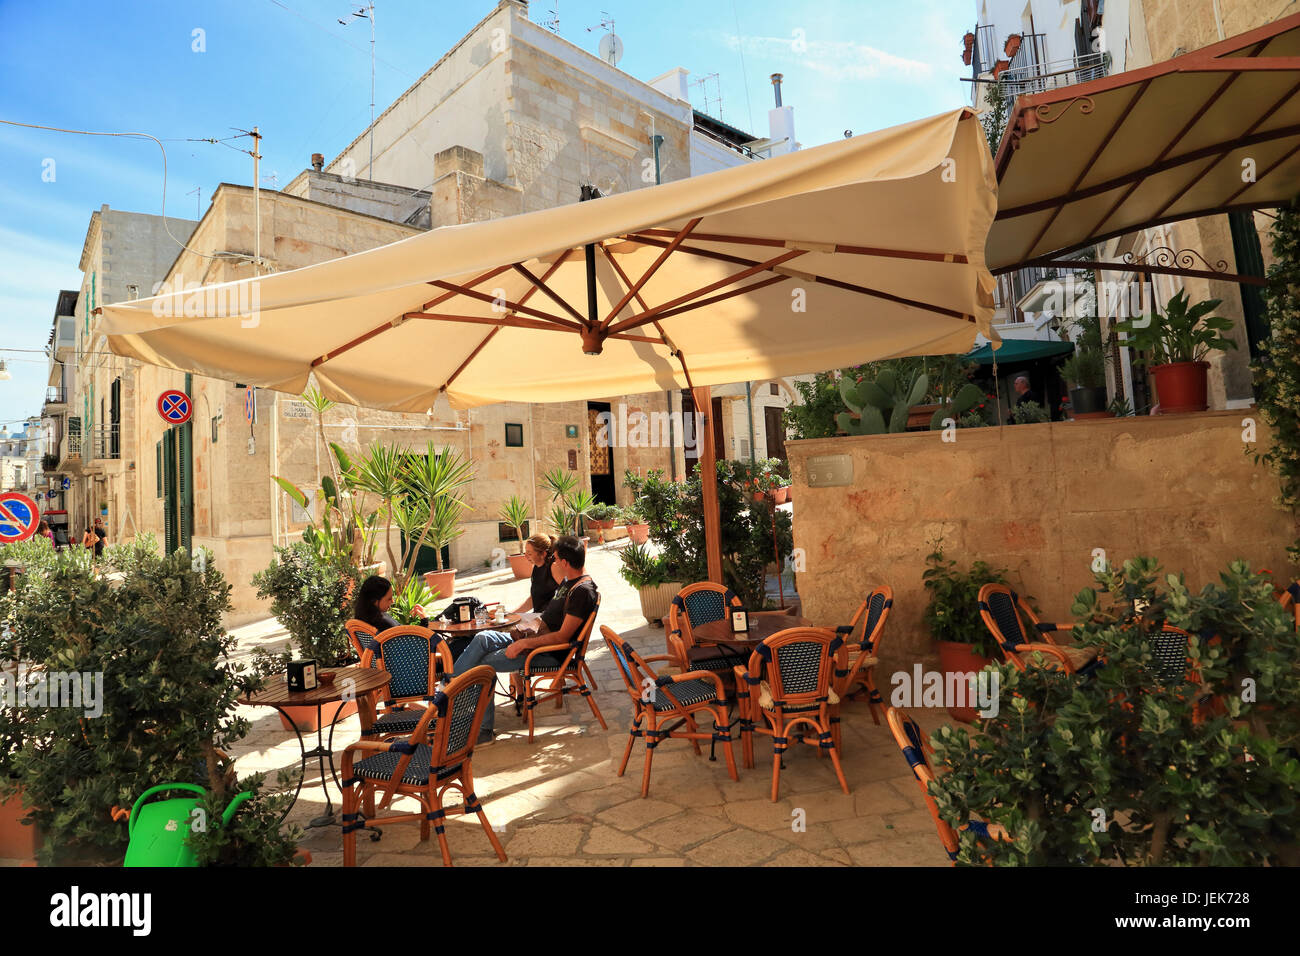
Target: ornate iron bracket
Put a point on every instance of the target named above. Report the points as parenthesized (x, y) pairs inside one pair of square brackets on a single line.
[(1182, 258)]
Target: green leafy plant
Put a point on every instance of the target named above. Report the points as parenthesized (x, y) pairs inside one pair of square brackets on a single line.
[(1086, 368), (432, 484), (151, 637), (674, 511), (1135, 766), (1184, 333), (1277, 369), (253, 834), (642, 568), (813, 416), (311, 595), (413, 602), (515, 513), (1120, 407), (952, 613), (1029, 413)]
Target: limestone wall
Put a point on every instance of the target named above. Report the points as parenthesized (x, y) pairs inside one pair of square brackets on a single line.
[(1036, 499)]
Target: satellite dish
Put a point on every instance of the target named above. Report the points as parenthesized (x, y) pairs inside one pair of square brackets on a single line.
[(611, 49)]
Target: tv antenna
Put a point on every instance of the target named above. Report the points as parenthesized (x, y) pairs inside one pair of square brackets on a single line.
[(702, 83), (197, 193), (368, 13), (552, 22), (611, 47)]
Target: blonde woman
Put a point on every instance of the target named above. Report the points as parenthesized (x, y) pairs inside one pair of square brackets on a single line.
[(540, 550)]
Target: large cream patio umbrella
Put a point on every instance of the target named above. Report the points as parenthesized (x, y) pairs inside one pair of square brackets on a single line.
[(858, 250)]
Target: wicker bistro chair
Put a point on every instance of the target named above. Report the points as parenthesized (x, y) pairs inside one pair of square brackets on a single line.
[(436, 758), (362, 636), (699, 604), (915, 745), (863, 654), (1003, 611), (787, 684), (416, 663), (1290, 600), (560, 667), (656, 700)]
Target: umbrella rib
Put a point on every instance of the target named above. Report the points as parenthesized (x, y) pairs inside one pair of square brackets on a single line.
[(528, 293), (752, 287), (609, 257), (510, 306), (644, 318), (540, 285), (367, 336), (514, 322), (830, 247), (654, 267)]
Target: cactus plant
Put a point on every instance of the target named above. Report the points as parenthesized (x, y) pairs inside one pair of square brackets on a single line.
[(880, 406), (967, 398)]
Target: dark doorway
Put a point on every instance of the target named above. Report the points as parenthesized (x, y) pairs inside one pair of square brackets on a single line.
[(601, 453), (773, 416), (691, 438)]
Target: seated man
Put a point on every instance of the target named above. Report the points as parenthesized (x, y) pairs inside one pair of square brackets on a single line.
[(561, 620)]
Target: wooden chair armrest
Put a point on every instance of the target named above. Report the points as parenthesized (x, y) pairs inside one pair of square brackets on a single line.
[(1047, 650), (709, 676), (544, 649)]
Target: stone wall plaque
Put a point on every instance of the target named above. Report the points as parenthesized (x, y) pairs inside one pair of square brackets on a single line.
[(296, 410), (828, 471)]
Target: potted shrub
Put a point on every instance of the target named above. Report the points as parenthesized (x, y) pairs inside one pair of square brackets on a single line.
[(601, 519), (1085, 370), (312, 596), (1176, 345), (648, 573), (638, 529), (515, 513), (953, 618)]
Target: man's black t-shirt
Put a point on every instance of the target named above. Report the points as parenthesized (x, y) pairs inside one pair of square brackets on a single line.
[(577, 598)]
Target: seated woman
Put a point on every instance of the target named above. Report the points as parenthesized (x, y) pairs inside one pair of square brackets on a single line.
[(540, 550), (374, 598)]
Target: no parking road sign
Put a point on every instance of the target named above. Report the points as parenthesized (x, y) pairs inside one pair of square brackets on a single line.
[(174, 406), (18, 517)]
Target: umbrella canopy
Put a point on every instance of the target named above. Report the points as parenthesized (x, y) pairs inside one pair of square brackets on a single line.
[(1205, 132), (858, 250)]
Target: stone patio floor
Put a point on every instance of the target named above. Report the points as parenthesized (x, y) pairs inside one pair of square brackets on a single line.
[(558, 801)]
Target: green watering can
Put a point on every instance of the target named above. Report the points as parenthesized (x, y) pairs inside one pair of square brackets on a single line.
[(158, 830)]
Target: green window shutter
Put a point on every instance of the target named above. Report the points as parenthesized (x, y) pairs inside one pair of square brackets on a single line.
[(158, 467), (169, 491), (185, 497)]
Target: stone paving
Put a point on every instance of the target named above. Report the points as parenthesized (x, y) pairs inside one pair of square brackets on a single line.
[(558, 801)]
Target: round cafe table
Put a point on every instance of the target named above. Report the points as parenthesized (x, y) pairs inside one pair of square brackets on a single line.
[(762, 625), (460, 634), (359, 683)]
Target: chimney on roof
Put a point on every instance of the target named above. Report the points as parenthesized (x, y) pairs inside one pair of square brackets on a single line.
[(780, 123), (317, 161), (776, 87)]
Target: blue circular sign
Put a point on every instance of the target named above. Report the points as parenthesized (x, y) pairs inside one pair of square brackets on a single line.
[(174, 406), (18, 517)]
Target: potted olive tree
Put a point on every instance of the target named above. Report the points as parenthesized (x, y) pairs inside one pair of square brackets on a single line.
[(963, 641), (1176, 345)]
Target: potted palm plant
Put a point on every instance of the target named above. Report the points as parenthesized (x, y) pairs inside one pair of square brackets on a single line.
[(515, 513), (963, 641), (442, 531), (648, 573), (1176, 345)]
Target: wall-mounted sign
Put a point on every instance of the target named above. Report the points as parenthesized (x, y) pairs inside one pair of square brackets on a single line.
[(296, 410), (828, 471), (175, 407), (250, 406), (570, 431)]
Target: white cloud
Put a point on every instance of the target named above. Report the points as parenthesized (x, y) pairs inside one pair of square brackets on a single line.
[(834, 59)]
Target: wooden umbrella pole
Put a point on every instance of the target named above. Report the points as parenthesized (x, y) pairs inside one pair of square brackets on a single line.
[(703, 396)]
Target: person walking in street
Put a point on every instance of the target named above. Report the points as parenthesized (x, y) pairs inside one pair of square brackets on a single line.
[(101, 536)]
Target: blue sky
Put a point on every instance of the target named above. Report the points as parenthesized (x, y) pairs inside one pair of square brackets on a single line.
[(288, 67)]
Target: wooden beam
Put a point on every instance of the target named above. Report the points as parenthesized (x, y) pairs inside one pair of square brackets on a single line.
[(541, 286), (515, 322), (644, 318), (835, 247), (713, 299), (708, 465), (510, 306), (654, 267), (367, 336), (1147, 269), (1241, 64)]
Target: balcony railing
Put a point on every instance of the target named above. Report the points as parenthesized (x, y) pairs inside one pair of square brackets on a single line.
[(1032, 75), (985, 51), (105, 441), (56, 395)]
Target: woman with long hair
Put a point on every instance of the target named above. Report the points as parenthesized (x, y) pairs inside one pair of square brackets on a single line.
[(540, 550), (374, 598)]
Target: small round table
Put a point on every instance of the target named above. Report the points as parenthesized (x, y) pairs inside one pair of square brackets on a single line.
[(762, 625), (359, 683), (470, 628)]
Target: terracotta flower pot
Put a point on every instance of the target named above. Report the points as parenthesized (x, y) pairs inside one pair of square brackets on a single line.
[(305, 717), (17, 841), (781, 495), (521, 566), (957, 658), (639, 533), (444, 582), (1181, 386)]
